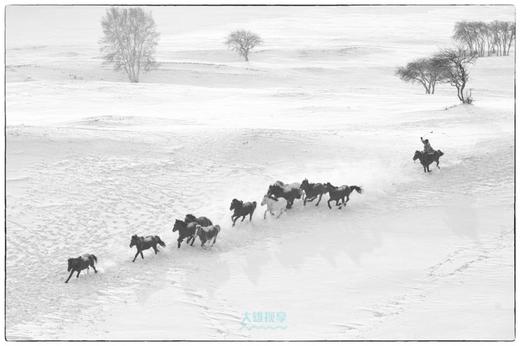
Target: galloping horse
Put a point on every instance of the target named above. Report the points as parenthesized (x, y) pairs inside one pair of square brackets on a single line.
[(207, 234), (201, 220), (341, 193), (312, 191), (427, 159), (186, 230), (242, 210), (288, 191), (79, 263), (143, 243)]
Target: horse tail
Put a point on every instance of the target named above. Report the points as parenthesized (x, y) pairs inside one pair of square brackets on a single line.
[(357, 188), (94, 258), (160, 241)]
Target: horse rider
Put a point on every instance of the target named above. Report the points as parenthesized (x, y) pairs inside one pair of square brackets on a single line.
[(427, 147)]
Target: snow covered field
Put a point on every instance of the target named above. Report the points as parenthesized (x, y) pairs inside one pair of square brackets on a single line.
[(92, 159)]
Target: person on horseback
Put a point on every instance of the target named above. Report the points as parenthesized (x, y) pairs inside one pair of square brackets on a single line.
[(427, 147)]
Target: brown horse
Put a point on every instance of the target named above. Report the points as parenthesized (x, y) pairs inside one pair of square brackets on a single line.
[(341, 193), (201, 220), (312, 191), (186, 230), (207, 234), (143, 243), (427, 159), (80, 263), (242, 209)]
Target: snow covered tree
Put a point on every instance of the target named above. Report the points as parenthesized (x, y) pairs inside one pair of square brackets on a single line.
[(129, 41), (455, 63), (425, 71), (242, 42)]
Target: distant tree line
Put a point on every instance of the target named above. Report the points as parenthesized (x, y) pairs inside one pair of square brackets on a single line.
[(485, 39)]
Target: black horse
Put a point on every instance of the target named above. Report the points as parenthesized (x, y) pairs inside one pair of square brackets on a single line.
[(312, 191), (427, 159), (186, 230), (242, 210), (79, 263), (341, 193), (202, 220), (143, 243), (288, 191)]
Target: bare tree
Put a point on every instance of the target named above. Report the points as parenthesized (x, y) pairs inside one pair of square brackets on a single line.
[(485, 38), (242, 42), (455, 63), (129, 41), (512, 35), (426, 71)]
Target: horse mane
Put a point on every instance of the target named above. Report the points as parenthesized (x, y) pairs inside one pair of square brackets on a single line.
[(181, 222)]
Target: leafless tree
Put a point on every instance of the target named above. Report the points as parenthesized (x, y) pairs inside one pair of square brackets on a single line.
[(426, 71), (485, 38), (512, 35), (242, 42), (129, 41), (455, 63)]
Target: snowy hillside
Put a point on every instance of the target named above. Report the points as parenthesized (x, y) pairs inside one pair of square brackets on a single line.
[(93, 159)]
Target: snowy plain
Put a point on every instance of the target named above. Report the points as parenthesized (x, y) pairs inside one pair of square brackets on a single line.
[(93, 159)]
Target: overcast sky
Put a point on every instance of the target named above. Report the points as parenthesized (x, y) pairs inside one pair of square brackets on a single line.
[(80, 25)]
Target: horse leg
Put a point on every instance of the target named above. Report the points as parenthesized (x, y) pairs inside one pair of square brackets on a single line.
[(243, 217), (202, 243), (251, 216), (305, 201), (438, 164), (234, 219), (137, 254), (348, 199), (265, 213), (319, 200), (141, 252), (155, 249), (79, 271), (92, 265), (71, 272), (192, 240), (328, 203), (179, 241)]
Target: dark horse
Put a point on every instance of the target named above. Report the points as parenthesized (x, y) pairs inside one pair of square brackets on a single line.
[(143, 243), (207, 234), (79, 263), (242, 209), (312, 191), (288, 191), (186, 230), (427, 159), (202, 220), (341, 193)]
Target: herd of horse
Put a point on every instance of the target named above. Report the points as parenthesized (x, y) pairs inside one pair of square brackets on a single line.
[(278, 199)]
